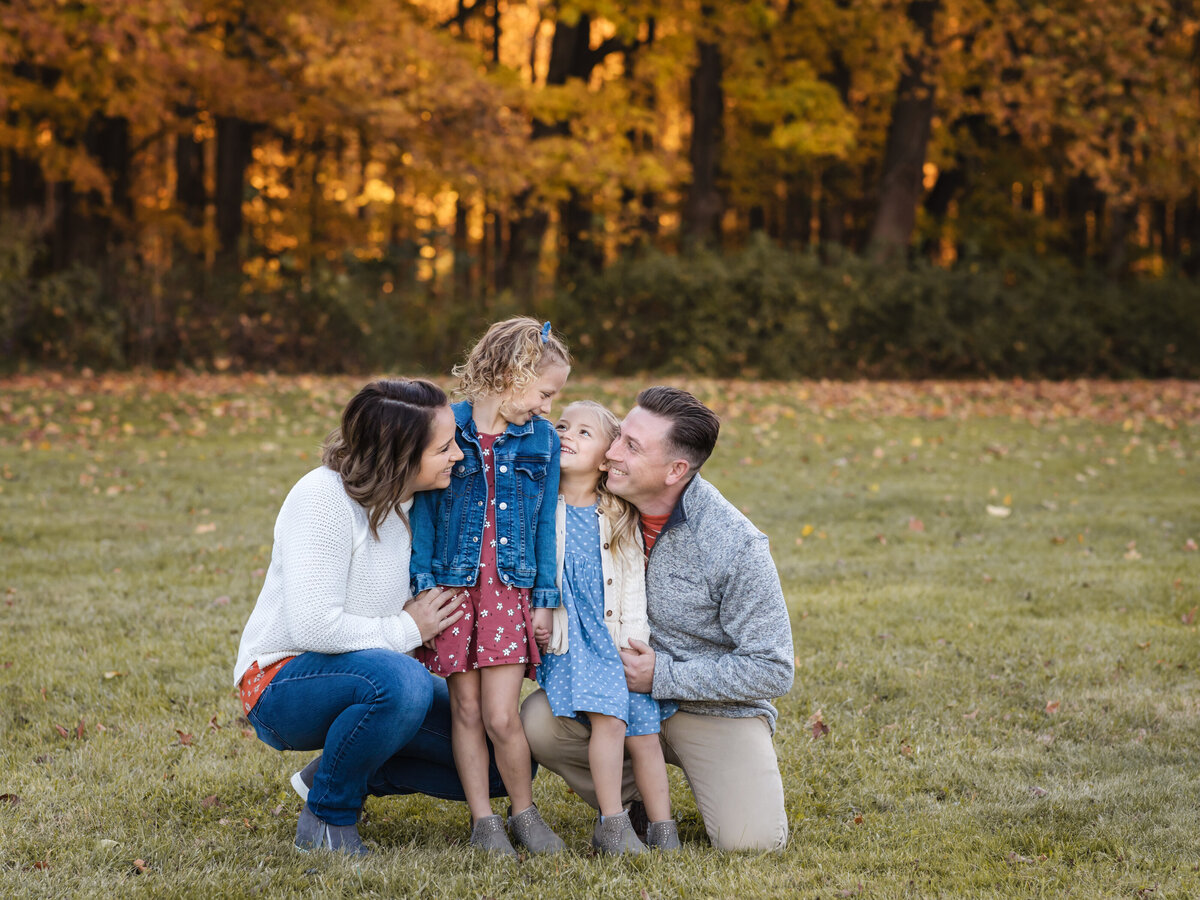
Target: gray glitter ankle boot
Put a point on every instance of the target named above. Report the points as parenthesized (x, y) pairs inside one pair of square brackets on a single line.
[(488, 834), (663, 835), (532, 833), (614, 835)]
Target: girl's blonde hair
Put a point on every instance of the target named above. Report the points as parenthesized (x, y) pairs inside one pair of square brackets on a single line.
[(509, 357), (378, 448), (624, 515)]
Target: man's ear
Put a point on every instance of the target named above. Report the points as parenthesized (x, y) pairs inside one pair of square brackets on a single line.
[(677, 471)]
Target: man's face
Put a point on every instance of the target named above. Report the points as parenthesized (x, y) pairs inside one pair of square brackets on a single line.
[(639, 464)]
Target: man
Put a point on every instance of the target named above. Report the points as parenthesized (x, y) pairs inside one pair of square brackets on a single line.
[(720, 638)]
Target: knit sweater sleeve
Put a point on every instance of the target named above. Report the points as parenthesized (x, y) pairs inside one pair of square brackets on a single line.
[(315, 537)]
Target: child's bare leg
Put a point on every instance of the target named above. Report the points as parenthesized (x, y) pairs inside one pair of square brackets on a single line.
[(606, 759), (650, 773), (469, 742), (501, 694)]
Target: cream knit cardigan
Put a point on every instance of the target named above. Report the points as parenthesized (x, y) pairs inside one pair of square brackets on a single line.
[(331, 587), (624, 586)]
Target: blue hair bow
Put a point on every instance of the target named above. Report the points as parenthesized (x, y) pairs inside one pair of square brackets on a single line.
[(546, 333)]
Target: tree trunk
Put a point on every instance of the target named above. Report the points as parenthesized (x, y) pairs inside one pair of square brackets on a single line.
[(570, 57), (704, 205), (234, 149), (907, 142), (189, 175)]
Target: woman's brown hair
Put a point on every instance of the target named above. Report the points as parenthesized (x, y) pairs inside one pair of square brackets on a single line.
[(378, 448)]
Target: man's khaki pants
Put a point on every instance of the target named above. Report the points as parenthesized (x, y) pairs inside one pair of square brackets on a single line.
[(730, 765)]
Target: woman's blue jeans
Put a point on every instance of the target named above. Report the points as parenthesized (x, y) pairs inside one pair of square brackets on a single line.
[(380, 718)]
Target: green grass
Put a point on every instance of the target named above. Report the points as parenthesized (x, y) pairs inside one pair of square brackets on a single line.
[(1012, 703)]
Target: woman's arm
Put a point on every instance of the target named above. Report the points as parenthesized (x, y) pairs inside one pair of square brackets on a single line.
[(315, 535)]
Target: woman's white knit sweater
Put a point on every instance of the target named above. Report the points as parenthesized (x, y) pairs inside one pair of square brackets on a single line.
[(331, 587)]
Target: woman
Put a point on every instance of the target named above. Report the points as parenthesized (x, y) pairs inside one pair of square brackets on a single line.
[(323, 660)]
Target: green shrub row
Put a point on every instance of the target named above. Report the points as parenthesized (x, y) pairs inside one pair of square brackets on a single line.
[(760, 312), (767, 313)]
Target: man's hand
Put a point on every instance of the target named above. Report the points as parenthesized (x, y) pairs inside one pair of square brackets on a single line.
[(543, 624), (639, 667)]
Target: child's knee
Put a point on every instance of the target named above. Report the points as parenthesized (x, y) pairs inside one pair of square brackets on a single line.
[(502, 722)]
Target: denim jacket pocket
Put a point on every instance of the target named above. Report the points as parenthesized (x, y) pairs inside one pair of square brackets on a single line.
[(531, 472)]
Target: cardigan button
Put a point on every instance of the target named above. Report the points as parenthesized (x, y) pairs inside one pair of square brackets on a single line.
[(606, 546), (609, 581), (608, 612)]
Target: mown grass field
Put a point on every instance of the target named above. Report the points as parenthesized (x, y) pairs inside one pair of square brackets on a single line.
[(993, 590)]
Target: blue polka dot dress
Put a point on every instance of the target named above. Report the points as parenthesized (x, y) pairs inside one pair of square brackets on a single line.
[(589, 677)]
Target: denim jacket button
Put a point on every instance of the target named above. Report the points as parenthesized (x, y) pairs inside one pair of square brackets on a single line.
[(504, 540), (504, 468), (480, 503), (504, 506), (475, 539)]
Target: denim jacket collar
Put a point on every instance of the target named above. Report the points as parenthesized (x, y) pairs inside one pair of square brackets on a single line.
[(466, 423)]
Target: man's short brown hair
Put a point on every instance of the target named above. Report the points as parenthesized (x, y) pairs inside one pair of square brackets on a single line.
[(694, 427)]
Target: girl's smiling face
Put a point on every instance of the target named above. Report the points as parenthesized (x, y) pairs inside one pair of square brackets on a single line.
[(536, 399), (584, 441)]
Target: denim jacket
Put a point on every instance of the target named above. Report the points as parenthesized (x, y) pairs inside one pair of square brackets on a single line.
[(447, 524)]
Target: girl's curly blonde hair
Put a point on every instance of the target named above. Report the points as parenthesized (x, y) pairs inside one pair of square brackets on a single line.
[(509, 358), (623, 514)]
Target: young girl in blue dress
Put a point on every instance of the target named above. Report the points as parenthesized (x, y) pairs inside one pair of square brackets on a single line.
[(602, 577), (492, 532)]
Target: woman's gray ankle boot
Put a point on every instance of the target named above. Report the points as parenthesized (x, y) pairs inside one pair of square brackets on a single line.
[(532, 833), (488, 834), (614, 835), (313, 833)]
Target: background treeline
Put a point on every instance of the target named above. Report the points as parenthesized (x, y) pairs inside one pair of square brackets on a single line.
[(776, 187)]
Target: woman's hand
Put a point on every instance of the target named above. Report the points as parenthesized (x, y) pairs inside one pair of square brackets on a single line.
[(543, 625), (434, 610)]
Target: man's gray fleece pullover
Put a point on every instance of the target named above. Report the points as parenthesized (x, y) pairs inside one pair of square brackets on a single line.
[(718, 621)]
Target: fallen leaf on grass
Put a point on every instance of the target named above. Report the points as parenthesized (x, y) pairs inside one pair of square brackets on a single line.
[(1000, 512), (184, 738), (906, 750), (207, 528), (62, 731), (10, 799), (105, 844), (915, 524), (817, 723), (213, 724), (110, 675), (140, 866), (1190, 545), (210, 801), (1052, 707), (1144, 646), (1058, 540), (1190, 616), (1038, 791)]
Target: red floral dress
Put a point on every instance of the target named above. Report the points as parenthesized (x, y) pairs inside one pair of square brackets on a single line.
[(496, 625)]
